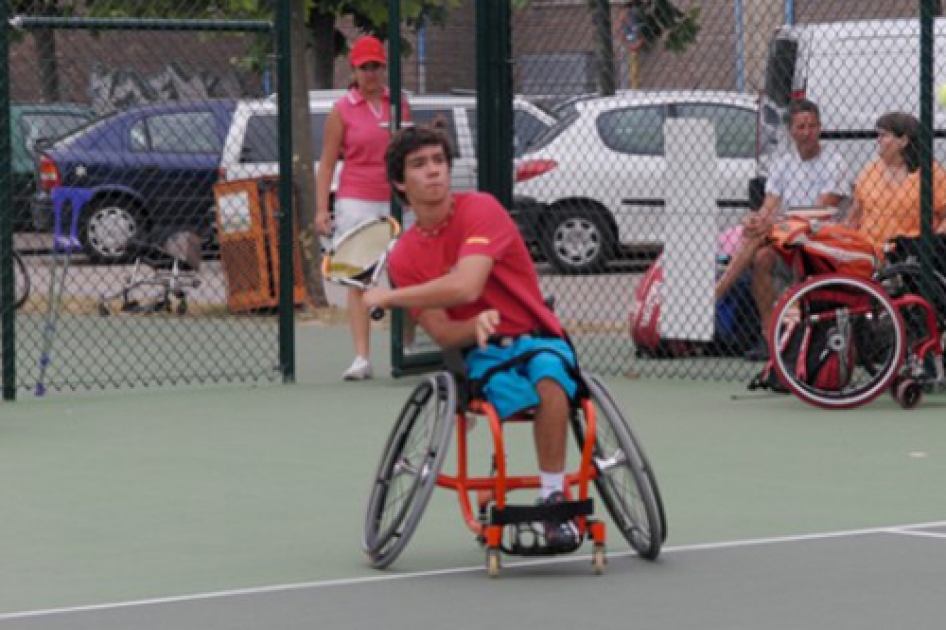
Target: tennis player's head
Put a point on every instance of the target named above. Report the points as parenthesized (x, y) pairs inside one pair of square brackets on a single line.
[(412, 148)]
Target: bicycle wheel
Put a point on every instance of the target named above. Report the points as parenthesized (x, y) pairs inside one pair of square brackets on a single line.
[(838, 341), (409, 468), (625, 479), (21, 280)]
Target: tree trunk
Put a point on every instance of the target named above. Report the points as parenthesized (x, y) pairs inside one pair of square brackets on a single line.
[(302, 161), (44, 41), (604, 49), (323, 35)]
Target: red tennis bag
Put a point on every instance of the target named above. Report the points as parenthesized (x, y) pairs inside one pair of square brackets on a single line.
[(645, 319), (828, 247)]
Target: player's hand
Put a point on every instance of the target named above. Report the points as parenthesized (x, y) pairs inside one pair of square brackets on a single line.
[(323, 223), (486, 323), (756, 225), (377, 297)]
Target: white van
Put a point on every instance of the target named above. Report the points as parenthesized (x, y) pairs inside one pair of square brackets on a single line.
[(855, 72), (251, 148)]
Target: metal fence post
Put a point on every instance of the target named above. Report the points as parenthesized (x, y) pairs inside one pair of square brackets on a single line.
[(494, 98), (925, 139), (7, 315), (287, 357)]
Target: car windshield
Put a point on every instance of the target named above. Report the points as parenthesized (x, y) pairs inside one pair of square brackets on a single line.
[(50, 126), (261, 142), (545, 138)]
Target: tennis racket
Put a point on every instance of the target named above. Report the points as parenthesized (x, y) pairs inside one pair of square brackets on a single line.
[(360, 255)]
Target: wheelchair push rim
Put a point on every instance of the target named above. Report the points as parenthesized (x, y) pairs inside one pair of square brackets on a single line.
[(624, 478), (837, 341), (410, 465)]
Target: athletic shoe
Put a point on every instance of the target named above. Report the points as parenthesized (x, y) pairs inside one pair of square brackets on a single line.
[(562, 535), (360, 370)]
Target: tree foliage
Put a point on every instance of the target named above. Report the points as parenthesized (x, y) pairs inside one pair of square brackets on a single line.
[(662, 21)]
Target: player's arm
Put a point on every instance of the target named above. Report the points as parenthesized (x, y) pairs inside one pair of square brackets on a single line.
[(830, 199), (448, 333), (461, 286), (757, 223), (331, 149)]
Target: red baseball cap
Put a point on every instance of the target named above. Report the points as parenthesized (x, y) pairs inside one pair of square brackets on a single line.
[(367, 49)]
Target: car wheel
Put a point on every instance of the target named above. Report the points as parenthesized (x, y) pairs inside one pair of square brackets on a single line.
[(576, 240), (111, 229)]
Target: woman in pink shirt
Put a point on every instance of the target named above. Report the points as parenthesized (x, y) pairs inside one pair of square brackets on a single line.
[(358, 128)]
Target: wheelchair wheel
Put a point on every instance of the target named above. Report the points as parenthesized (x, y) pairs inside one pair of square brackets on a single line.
[(409, 468), (625, 479), (837, 341)]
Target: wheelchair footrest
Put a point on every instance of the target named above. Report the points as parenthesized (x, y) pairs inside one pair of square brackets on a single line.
[(557, 512)]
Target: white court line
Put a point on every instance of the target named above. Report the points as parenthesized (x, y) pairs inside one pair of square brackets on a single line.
[(282, 588), (918, 534)]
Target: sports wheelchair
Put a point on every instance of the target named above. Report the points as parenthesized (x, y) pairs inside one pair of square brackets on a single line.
[(158, 275), (444, 404), (839, 338)]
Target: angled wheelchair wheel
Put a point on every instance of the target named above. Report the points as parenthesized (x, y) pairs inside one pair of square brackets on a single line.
[(625, 479), (409, 468), (837, 341)]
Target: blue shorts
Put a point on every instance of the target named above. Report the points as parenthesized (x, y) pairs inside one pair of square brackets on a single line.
[(513, 390)]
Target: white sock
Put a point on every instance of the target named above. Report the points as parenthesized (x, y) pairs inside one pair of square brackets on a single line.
[(551, 482)]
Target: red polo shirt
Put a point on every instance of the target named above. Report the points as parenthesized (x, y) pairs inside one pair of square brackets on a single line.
[(479, 226)]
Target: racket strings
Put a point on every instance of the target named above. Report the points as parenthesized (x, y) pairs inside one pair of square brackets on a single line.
[(357, 253)]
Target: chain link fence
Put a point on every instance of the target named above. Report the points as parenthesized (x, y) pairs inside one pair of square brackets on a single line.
[(116, 136), (604, 185), (664, 165)]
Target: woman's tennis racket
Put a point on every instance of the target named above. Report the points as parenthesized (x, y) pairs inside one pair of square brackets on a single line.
[(358, 257)]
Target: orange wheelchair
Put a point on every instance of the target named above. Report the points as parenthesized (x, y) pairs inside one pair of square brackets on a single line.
[(611, 459)]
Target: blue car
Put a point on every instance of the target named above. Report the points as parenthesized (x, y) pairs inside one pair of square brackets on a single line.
[(141, 174)]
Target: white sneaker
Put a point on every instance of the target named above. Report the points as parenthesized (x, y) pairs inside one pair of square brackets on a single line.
[(360, 370)]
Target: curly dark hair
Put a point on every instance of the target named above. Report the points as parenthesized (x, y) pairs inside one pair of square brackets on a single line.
[(409, 140), (906, 126)]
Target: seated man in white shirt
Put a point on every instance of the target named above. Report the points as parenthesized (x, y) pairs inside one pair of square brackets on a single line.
[(806, 175)]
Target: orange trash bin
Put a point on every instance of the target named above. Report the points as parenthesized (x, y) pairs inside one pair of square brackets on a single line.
[(248, 233)]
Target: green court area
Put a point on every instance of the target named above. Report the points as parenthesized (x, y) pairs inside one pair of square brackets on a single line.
[(118, 496)]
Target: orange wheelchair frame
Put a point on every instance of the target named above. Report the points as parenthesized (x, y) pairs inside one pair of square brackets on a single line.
[(407, 476)]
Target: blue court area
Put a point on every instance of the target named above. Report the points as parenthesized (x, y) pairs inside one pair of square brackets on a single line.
[(242, 507)]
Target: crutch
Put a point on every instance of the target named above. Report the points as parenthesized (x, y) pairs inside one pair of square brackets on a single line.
[(63, 246)]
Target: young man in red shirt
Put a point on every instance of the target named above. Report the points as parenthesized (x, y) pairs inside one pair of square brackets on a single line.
[(465, 273)]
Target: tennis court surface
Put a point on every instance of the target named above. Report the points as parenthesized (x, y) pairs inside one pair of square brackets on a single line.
[(241, 507)]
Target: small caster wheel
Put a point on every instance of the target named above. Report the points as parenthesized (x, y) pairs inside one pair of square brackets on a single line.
[(908, 393), (493, 564), (598, 559)]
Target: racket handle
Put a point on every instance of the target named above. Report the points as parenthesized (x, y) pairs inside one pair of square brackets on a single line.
[(377, 314)]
